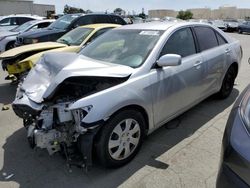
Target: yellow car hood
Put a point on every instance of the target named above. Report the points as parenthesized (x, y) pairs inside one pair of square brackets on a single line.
[(34, 58), (31, 48)]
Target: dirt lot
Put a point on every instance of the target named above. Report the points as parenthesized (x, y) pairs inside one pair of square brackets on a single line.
[(186, 156)]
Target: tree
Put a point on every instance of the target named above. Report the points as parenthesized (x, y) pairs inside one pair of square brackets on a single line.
[(142, 15), (185, 15), (118, 11), (71, 10)]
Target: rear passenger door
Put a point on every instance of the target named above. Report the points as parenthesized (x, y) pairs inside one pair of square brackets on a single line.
[(177, 88), (213, 48)]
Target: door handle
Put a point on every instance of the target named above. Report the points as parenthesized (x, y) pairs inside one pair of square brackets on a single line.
[(197, 63), (227, 51)]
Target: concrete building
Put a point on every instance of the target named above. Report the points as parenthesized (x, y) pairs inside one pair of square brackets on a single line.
[(162, 13), (8, 7), (223, 12), (201, 13)]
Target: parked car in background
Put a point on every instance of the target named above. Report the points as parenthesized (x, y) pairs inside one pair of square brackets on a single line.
[(232, 25), (219, 24), (64, 24), (153, 20), (235, 164), (123, 86), (244, 27), (12, 21), (172, 19), (8, 38), (137, 20), (20, 60)]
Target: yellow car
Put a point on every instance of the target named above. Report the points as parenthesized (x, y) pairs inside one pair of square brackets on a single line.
[(20, 60)]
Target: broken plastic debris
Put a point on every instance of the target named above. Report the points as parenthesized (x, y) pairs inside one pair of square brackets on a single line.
[(5, 107)]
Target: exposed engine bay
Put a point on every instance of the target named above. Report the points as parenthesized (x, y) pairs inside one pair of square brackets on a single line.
[(49, 121)]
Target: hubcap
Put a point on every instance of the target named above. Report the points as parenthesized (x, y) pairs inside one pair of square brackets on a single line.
[(124, 139)]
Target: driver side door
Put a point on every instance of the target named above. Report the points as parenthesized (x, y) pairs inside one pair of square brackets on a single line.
[(175, 89)]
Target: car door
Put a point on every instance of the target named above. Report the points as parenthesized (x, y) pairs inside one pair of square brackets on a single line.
[(214, 55), (174, 89)]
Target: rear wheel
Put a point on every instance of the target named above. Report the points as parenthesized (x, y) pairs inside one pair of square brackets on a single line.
[(121, 138), (227, 84)]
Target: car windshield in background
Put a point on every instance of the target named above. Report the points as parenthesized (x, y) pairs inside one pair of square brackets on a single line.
[(76, 36), (23, 27), (126, 47), (63, 22)]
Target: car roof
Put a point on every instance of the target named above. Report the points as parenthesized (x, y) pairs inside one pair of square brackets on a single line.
[(23, 15), (160, 25), (98, 26)]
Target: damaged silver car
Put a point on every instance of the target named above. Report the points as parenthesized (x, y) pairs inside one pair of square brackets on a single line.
[(122, 87)]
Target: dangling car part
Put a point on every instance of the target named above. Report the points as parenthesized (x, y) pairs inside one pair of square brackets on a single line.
[(123, 86)]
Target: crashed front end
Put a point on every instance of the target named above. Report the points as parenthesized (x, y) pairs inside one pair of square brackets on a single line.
[(44, 101)]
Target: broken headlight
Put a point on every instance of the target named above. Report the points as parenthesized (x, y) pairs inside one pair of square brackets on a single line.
[(245, 110)]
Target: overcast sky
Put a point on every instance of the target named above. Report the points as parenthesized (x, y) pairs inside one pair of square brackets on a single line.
[(137, 5)]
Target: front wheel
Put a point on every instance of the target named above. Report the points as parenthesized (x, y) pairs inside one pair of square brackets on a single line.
[(227, 84), (121, 138)]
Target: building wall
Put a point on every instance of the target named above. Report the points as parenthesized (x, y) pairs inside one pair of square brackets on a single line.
[(201, 13), (8, 7), (41, 10), (206, 13), (162, 13)]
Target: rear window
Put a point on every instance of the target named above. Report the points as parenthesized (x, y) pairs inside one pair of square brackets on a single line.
[(206, 38)]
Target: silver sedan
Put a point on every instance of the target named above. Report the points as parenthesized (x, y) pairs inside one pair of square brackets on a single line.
[(123, 86)]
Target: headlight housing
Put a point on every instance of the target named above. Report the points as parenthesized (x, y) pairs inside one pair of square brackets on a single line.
[(245, 109)]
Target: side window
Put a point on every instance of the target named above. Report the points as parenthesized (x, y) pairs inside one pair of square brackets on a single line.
[(206, 38), (22, 20), (43, 25), (181, 43), (84, 20), (101, 19), (5, 22), (117, 20), (98, 33), (221, 40), (14, 21)]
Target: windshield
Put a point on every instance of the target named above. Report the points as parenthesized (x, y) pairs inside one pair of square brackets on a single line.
[(63, 22), (76, 36), (23, 27), (126, 47)]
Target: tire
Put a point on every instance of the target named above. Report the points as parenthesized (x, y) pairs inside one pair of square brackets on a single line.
[(227, 84), (115, 140), (10, 45)]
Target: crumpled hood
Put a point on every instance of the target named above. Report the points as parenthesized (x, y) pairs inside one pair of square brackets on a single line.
[(53, 68)]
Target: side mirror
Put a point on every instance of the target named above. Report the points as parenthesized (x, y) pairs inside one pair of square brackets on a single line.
[(169, 60)]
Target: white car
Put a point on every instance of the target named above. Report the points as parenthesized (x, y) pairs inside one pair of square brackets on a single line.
[(12, 21), (8, 38)]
